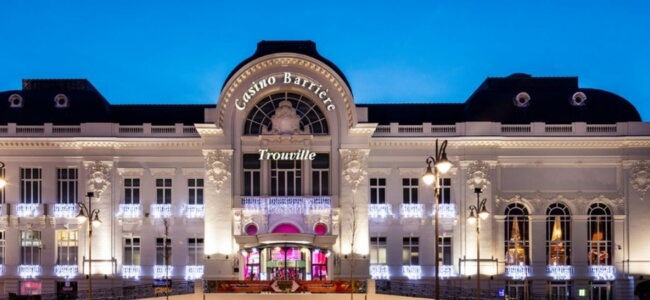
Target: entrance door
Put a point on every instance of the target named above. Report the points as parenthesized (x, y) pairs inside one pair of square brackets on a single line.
[(559, 290), (601, 291), (516, 290)]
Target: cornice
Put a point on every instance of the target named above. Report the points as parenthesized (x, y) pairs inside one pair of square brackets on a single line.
[(196, 172), (136, 172), (412, 171), (363, 129), (427, 142), (100, 144), (379, 171), (162, 172), (208, 130)]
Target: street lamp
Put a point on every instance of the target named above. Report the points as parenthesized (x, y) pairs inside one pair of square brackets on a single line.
[(431, 176), (477, 213), (87, 213)]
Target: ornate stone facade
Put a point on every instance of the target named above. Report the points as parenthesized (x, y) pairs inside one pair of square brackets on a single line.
[(217, 165), (98, 174)]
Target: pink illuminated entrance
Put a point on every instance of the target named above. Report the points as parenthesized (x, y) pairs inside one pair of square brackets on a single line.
[(286, 228), (285, 262)]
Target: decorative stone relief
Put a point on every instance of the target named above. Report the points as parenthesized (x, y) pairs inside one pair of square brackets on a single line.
[(217, 165), (285, 121), (640, 177), (335, 220), (355, 165), (478, 174), (98, 174)]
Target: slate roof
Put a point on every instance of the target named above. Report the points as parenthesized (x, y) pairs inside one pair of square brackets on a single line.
[(414, 113), (301, 47)]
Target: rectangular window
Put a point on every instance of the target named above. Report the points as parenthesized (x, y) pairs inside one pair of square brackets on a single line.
[(410, 251), (377, 190), (30, 185), (195, 191), (252, 175), (66, 188), (444, 190), (30, 247), (320, 178), (444, 250), (131, 190), (410, 190), (131, 251), (286, 178), (3, 242), (377, 250), (163, 251), (194, 251), (163, 191), (67, 247)]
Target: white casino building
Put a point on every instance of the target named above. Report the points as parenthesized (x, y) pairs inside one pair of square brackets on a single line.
[(287, 177)]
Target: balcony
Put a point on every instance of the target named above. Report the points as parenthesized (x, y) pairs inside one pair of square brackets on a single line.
[(193, 211), (65, 210), (66, 271), (447, 271), (159, 211), (161, 271), (412, 272), (131, 271), (447, 210), (415, 211), (28, 210), (519, 272), (29, 271), (380, 211), (130, 211), (602, 272), (379, 272), (193, 272), (287, 205), (558, 272)]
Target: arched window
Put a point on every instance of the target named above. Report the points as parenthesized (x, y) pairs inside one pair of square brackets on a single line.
[(517, 237), (558, 235), (599, 234), (312, 119)]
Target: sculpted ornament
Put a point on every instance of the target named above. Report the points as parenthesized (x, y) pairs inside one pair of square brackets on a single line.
[(98, 174), (285, 121), (355, 166), (217, 165), (640, 177), (477, 174)]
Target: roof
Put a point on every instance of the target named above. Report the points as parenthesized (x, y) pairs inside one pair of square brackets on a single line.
[(414, 114), (301, 47)]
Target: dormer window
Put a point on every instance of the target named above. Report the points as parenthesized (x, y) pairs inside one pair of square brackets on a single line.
[(578, 99), (61, 101), (522, 100), (15, 100)]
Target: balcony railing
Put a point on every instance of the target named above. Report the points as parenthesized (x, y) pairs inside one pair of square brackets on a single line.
[(447, 210), (66, 271), (412, 272), (131, 271), (447, 271), (161, 271), (379, 272), (381, 211), (287, 205), (193, 272), (411, 210), (159, 211), (519, 272), (28, 210), (29, 271), (602, 272), (559, 272), (65, 210), (193, 211), (129, 211)]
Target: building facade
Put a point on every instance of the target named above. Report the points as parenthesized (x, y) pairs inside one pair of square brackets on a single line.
[(286, 177)]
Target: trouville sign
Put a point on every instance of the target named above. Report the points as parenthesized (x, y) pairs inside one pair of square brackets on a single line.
[(259, 85)]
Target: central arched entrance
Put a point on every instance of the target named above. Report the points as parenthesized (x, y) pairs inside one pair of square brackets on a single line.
[(285, 261)]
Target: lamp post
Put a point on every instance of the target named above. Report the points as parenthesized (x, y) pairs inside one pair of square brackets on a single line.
[(87, 213), (431, 176), (482, 213)]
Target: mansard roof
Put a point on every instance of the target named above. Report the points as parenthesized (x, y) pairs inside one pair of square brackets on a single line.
[(300, 47)]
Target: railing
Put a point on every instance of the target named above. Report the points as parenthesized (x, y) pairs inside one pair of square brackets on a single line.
[(379, 272), (131, 271), (381, 211), (193, 211), (447, 210), (519, 272), (558, 272), (65, 210), (287, 205), (558, 128), (161, 271), (122, 293), (28, 210), (193, 272), (516, 129), (601, 128), (425, 290), (48, 129), (29, 271), (411, 210), (129, 211), (161, 211), (66, 271), (602, 273), (412, 272)]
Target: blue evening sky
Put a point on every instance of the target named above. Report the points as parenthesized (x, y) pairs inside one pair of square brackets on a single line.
[(391, 51)]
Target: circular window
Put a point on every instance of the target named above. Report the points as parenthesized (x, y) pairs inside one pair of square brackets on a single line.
[(15, 100), (60, 100), (522, 100), (320, 229), (578, 99), (251, 229)]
